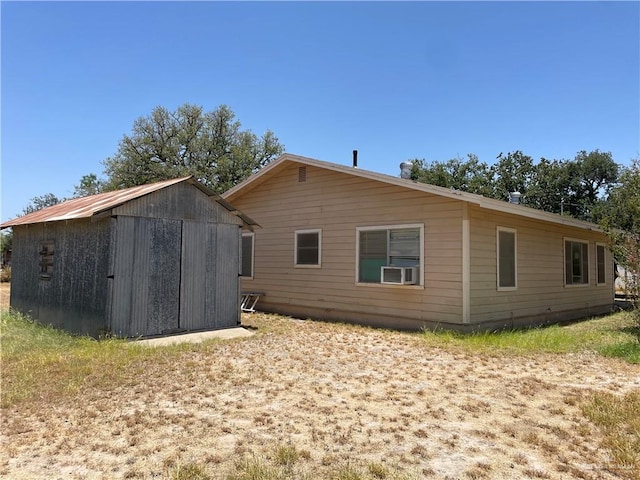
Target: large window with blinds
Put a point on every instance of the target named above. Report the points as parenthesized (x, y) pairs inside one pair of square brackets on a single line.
[(576, 262), (397, 246)]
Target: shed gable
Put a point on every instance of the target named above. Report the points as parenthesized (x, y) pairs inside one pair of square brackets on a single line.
[(180, 201)]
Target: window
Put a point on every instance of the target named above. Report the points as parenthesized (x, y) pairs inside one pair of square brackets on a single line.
[(46, 260), (377, 247), (600, 265), (576, 261), (507, 254), (307, 248), (247, 255)]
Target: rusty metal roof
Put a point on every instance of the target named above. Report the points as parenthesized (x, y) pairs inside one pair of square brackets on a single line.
[(91, 205)]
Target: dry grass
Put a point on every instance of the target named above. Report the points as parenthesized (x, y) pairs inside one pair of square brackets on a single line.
[(5, 288), (311, 400)]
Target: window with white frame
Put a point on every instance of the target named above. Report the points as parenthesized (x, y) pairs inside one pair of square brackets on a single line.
[(601, 275), (507, 259), (576, 262), (308, 248), (247, 255), (388, 246)]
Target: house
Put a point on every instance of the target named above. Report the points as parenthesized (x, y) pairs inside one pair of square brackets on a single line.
[(147, 260), (345, 244)]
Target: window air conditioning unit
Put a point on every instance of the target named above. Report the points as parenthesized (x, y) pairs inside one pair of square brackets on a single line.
[(399, 275)]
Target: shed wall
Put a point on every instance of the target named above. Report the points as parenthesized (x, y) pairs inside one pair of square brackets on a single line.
[(74, 297), (337, 204), (182, 201)]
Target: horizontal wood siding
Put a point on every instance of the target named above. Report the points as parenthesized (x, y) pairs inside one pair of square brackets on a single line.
[(337, 204), (540, 271)]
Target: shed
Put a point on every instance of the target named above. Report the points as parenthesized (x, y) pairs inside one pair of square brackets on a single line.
[(148, 260), (348, 244)]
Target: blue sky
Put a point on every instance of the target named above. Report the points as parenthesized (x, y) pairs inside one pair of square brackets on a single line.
[(394, 80)]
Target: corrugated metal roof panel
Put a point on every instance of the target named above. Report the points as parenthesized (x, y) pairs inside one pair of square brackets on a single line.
[(86, 207)]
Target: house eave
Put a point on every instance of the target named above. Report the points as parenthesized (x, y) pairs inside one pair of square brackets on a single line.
[(480, 201)]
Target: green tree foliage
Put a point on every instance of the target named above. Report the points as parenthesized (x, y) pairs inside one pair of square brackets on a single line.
[(550, 186), (622, 208), (594, 173), (512, 173), (208, 145), (6, 243), (620, 215), (468, 175), (42, 201), (89, 185), (577, 187)]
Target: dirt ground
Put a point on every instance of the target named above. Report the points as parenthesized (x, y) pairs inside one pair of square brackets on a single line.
[(341, 395)]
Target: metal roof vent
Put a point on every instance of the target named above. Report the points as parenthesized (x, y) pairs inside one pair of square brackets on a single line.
[(514, 197), (405, 169)]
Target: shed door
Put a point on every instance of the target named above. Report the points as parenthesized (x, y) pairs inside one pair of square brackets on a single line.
[(146, 276), (210, 289), (171, 275), (197, 292)]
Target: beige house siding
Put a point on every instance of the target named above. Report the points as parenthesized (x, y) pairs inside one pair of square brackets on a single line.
[(541, 292), (459, 275), (338, 204)]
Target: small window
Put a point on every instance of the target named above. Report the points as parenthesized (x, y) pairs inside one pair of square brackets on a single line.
[(392, 246), (601, 265), (247, 255), (507, 255), (46, 260), (576, 260), (308, 248)]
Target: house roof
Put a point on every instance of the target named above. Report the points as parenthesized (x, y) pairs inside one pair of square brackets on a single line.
[(479, 200), (93, 205)]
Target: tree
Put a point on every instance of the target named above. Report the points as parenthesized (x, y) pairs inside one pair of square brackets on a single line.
[(42, 201), (6, 242), (512, 173), (210, 146), (89, 185), (620, 216), (594, 173), (550, 185), (469, 175)]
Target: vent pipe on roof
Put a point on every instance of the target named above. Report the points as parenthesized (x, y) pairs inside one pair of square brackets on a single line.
[(355, 159), (514, 197), (405, 169)]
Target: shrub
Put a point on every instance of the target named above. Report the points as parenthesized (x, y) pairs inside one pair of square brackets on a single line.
[(5, 274)]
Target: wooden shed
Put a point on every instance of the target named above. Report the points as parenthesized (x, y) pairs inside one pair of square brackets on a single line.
[(347, 244), (148, 260)]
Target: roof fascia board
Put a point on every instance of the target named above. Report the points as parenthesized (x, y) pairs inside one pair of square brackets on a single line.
[(479, 200)]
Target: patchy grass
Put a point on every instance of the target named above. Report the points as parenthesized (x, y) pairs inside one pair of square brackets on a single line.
[(618, 417), (285, 462), (44, 363), (308, 400), (611, 335)]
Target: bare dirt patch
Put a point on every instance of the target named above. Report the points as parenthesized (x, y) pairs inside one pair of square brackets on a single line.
[(342, 395)]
